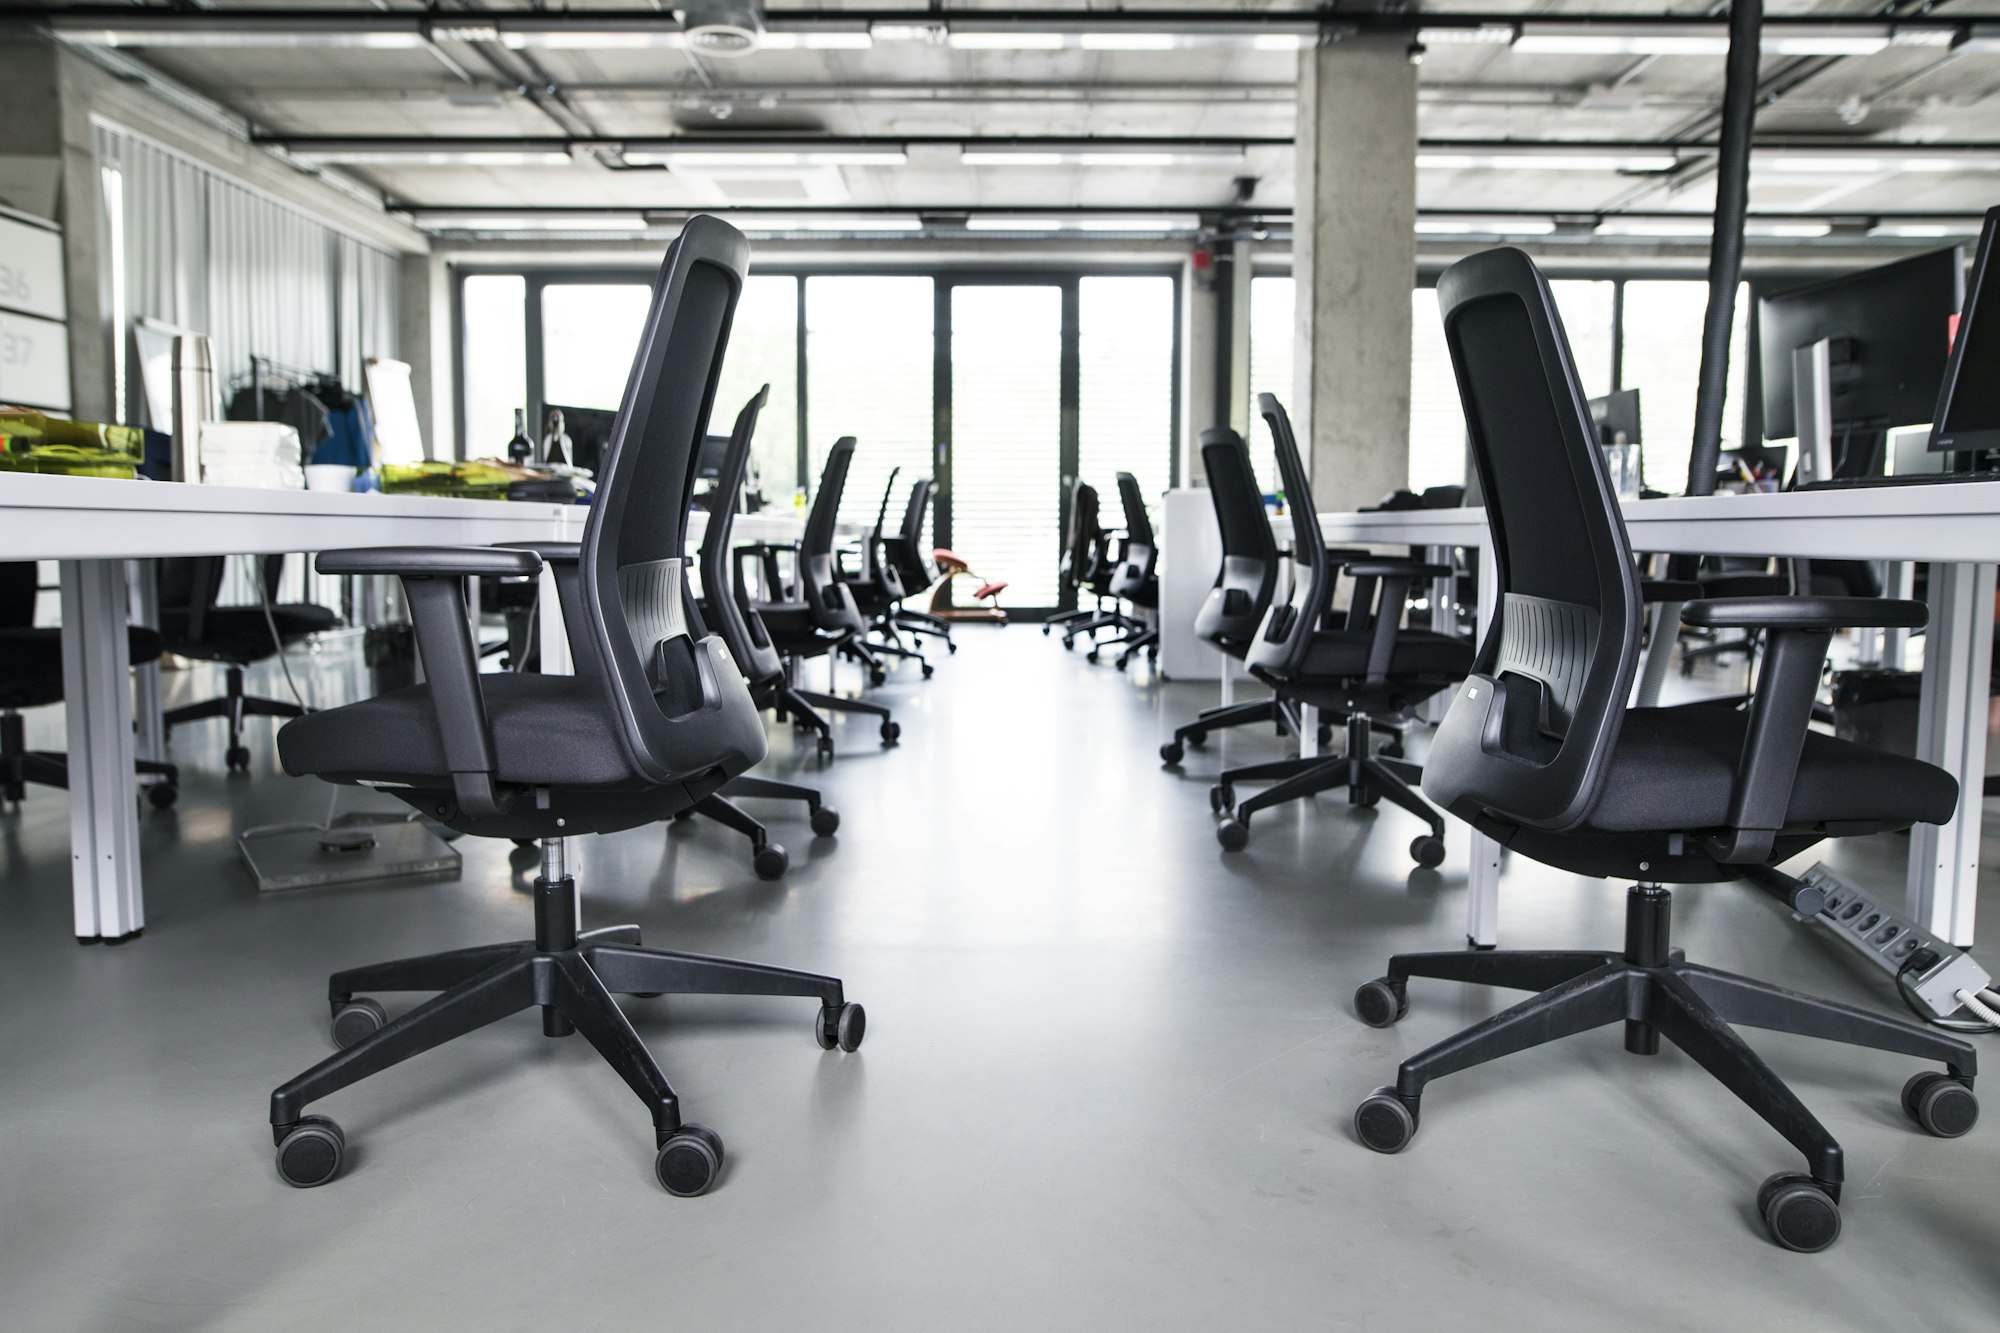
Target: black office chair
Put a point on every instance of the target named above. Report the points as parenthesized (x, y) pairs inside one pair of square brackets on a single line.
[(31, 675), (654, 720), (1084, 541), (1244, 586), (878, 589), (903, 550), (1136, 580), (1371, 665), (193, 626), (813, 614), (1540, 752), (1103, 554)]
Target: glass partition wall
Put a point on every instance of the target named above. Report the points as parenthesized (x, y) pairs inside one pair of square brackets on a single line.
[(1001, 386)]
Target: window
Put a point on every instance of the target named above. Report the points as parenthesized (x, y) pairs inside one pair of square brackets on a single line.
[(1273, 330), (495, 361), (1125, 350), (764, 349), (1587, 310), (1663, 362), (868, 374), (1437, 419), (590, 332), (1006, 435)]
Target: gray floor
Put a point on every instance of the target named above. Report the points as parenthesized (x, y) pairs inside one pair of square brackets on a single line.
[(1107, 1081)]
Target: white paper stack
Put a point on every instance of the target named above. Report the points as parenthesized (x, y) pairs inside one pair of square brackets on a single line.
[(251, 453)]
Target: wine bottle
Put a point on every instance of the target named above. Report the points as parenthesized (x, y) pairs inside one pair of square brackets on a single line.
[(520, 449)]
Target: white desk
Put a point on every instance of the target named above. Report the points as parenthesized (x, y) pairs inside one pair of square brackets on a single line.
[(1953, 527), (93, 525)]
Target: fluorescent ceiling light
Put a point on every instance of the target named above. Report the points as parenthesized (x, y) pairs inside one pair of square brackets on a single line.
[(1485, 34), (987, 157), (440, 157), (991, 223), (1692, 227), (854, 40), (1613, 39), (1485, 226), (904, 32), (699, 159), (1827, 41), (592, 39), (1279, 41), (857, 223), (1942, 35), (1542, 159), (1924, 231), (1788, 230), (530, 222), (258, 31), (1166, 155), (446, 30), (1136, 224), (1129, 41), (1007, 41), (1127, 159)]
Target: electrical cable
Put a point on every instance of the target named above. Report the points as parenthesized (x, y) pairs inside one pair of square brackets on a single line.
[(1989, 1020), (277, 640)]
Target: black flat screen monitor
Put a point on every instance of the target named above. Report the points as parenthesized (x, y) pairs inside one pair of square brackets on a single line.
[(708, 462), (589, 430), (1968, 409), (1889, 328), (1616, 414)]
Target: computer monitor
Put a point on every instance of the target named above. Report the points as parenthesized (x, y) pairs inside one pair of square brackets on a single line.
[(1888, 328), (708, 461), (589, 430), (1968, 407), (1616, 414)]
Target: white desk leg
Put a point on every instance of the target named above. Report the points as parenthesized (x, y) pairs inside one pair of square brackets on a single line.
[(143, 605), (1308, 731), (1662, 631), (1227, 688), (1444, 620), (1899, 579), (551, 632), (103, 809), (1482, 854), (1943, 886)]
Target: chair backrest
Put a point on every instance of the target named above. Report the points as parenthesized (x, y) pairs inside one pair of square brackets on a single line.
[(1141, 555), (1085, 528), (1282, 640), (680, 701), (876, 567), (1530, 733), (728, 611), (1249, 573), (832, 604), (17, 594), (906, 548)]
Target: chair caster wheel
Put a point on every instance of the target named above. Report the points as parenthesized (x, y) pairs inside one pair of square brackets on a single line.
[(237, 759), (1221, 799), (1234, 835), (357, 1020), (1171, 754), (1325, 735), (1941, 1104), (311, 1153), (1427, 850), (1091, 657), (1197, 739), (891, 732), (1798, 1213), (689, 1161), (824, 746), (878, 676), (929, 671), (770, 862), (825, 821), (683, 816), (1069, 645), (951, 649), (1393, 750), (1379, 1004), (1045, 631), (1122, 662), (163, 795), (841, 1025), (1367, 798), (1385, 1122)]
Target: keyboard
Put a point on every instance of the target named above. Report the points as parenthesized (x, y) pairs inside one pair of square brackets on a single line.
[(1902, 479)]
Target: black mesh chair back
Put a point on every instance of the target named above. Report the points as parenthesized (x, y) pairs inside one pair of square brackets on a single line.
[(832, 604), (1140, 556), (1085, 533), (669, 690), (1530, 733), (1249, 574), (876, 567), (1287, 630), (728, 610), (905, 549)]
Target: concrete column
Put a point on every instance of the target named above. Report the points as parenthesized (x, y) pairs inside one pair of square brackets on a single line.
[(424, 338), (1197, 368), (1242, 412), (1354, 256)]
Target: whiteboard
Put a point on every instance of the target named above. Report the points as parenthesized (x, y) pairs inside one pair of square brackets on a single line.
[(31, 270), (398, 436)]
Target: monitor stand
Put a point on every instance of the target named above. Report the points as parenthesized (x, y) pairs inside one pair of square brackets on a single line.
[(1812, 409)]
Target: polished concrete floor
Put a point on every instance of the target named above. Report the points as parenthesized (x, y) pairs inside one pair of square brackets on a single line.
[(1107, 1081)]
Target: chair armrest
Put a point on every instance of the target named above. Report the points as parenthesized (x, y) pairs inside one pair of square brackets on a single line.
[(1806, 613), (1381, 567), (1669, 590), (434, 586), (433, 561), (550, 552)]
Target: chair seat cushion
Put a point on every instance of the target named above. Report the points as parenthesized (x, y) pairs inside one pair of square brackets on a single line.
[(555, 731), (1340, 654), (31, 663), (239, 633), (986, 590), (1675, 768)]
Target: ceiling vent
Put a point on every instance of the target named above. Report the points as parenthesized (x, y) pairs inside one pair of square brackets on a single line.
[(726, 28)]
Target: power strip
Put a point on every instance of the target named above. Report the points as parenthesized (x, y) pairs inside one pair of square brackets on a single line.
[(1928, 967)]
